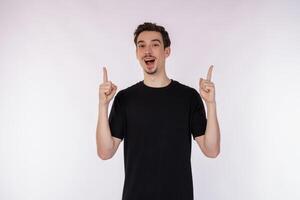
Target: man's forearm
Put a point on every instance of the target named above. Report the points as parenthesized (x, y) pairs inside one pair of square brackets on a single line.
[(212, 133), (104, 139)]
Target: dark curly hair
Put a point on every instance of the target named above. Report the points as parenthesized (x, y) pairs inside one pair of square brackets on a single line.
[(148, 26)]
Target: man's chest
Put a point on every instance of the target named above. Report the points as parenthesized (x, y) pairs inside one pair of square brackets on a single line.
[(160, 115)]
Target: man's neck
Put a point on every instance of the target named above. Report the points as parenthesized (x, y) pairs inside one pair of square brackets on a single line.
[(156, 81)]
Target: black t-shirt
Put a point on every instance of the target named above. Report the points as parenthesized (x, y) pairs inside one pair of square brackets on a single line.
[(156, 125)]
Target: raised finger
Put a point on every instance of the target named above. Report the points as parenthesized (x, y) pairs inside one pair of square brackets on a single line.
[(209, 73), (104, 75)]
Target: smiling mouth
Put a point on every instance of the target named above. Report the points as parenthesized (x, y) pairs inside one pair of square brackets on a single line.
[(150, 61)]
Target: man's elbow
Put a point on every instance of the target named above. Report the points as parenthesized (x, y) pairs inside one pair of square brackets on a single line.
[(104, 155), (212, 154)]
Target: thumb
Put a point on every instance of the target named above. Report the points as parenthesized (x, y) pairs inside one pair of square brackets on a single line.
[(200, 81)]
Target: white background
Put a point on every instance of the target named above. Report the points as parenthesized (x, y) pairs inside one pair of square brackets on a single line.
[(51, 58)]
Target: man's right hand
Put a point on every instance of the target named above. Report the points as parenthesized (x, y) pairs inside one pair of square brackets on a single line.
[(107, 90)]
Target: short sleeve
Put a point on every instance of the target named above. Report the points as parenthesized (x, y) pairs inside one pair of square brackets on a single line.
[(117, 118), (198, 116)]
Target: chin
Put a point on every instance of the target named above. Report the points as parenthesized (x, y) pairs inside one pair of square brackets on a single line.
[(150, 71)]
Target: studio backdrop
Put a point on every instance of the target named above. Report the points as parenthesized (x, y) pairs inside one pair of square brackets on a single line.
[(51, 59)]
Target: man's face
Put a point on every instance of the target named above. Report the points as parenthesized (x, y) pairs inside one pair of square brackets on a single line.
[(150, 51)]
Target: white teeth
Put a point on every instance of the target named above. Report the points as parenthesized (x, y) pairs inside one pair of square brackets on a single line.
[(147, 59)]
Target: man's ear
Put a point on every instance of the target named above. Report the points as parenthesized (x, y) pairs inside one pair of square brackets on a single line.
[(167, 51)]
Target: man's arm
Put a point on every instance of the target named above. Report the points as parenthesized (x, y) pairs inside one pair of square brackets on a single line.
[(106, 144), (209, 143)]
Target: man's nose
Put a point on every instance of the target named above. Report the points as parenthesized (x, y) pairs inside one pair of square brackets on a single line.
[(148, 50)]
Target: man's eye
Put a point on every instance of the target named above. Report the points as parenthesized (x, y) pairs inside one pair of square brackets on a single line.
[(141, 46), (156, 45)]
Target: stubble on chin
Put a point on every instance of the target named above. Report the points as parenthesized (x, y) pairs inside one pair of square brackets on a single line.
[(150, 72)]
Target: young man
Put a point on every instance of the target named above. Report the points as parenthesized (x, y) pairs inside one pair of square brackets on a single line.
[(156, 118)]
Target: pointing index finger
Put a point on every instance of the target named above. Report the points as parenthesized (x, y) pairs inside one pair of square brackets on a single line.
[(104, 75), (209, 73)]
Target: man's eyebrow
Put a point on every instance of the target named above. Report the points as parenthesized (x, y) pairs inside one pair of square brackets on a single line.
[(154, 40)]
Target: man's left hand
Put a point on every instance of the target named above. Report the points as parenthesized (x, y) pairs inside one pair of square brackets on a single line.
[(207, 88)]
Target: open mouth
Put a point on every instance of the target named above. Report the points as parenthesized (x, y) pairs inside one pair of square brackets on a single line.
[(149, 61)]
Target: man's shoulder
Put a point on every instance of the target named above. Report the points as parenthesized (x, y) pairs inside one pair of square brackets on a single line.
[(128, 90), (184, 87), (135, 88)]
